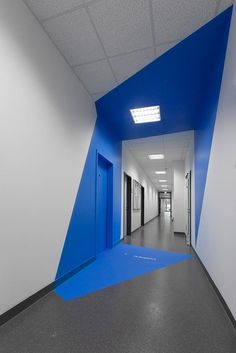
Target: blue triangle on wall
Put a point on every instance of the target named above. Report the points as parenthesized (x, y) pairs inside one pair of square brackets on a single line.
[(206, 117)]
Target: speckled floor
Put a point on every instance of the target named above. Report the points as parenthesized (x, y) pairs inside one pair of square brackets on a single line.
[(172, 310)]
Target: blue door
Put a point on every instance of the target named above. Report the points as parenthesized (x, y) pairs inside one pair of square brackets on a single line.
[(102, 205)]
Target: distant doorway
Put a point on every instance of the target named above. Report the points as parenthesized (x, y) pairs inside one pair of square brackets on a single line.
[(104, 203), (142, 205), (164, 203), (127, 205)]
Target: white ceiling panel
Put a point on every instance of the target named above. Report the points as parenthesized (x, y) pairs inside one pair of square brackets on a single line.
[(178, 19), (128, 34), (73, 33), (127, 65), (97, 76), (123, 25), (46, 8)]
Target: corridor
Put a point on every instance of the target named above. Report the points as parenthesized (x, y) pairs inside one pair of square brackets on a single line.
[(159, 312), (159, 233), (117, 140)]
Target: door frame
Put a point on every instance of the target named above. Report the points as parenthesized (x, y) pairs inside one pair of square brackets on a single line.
[(109, 211), (142, 206), (127, 211)]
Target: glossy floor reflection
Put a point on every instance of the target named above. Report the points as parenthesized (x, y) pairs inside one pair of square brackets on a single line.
[(159, 233), (171, 310)]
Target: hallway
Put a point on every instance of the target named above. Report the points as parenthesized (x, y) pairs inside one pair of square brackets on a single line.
[(159, 233), (114, 112), (171, 310)]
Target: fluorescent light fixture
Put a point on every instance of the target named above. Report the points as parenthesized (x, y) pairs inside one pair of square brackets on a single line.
[(156, 156), (162, 181), (146, 114), (164, 186), (159, 172), (164, 189)]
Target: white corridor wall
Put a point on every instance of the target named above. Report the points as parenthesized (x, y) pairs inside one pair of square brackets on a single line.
[(216, 244), (46, 124), (134, 170)]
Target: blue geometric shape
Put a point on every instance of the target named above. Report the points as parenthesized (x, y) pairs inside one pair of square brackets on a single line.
[(116, 265), (80, 243), (185, 82), (205, 120), (177, 81)]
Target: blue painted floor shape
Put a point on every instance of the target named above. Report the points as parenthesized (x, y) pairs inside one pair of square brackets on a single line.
[(117, 265)]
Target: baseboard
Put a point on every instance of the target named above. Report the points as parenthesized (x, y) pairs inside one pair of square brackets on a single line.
[(11, 313), (150, 220), (219, 295)]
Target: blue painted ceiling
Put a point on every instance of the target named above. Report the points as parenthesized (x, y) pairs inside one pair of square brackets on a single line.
[(177, 81)]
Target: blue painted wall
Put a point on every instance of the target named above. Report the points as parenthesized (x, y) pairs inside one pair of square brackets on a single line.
[(205, 119), (80, 243), (185, 82)]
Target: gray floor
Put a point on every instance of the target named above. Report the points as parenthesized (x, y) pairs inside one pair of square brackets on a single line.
[(159, 234), (172, 310)]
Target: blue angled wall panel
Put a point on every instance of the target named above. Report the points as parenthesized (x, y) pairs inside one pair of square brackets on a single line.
[(185, 82), (80, 242), (206, 116)]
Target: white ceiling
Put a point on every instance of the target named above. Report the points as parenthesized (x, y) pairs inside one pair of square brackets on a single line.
[(107, 41), (174, 147)]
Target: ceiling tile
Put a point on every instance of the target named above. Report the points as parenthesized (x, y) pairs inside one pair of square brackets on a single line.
[(175, 20), (224, 4), (46, 8), (123, 25), (127, 65), (97, 77), (73, 33)]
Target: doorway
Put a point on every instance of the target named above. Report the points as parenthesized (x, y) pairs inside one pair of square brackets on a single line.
[(104, 197), (164, 203), (142, 205), (127, 205)]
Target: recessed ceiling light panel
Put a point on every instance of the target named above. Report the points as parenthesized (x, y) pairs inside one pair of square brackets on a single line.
[(160, 172), (162, 181), (146, 114), (156, 156)]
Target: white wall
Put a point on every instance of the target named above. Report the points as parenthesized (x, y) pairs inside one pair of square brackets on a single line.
[(133, 169), (179, 205), (217, 240), (46, 123)]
